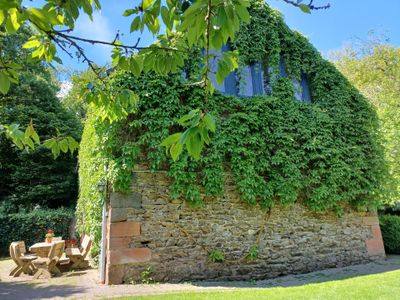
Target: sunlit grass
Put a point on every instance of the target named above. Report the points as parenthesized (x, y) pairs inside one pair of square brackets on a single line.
[(378, 286)]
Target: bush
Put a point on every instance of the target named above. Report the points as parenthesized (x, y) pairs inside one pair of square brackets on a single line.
[(32, 227), (390, 227)]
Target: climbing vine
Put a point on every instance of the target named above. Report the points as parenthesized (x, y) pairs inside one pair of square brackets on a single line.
[(325, 154)]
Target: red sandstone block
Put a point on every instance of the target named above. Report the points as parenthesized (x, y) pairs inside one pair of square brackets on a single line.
[(376, 232), (375, 247), (370, 220), (124, 229), (128, 256), (114, 274), (118, 243)]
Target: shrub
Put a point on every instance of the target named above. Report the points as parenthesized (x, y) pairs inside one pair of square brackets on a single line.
[(32, 227), (390, 227)]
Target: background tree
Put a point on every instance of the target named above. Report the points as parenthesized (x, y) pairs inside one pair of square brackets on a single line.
[(73, 99), (33, 177), (374, 68)]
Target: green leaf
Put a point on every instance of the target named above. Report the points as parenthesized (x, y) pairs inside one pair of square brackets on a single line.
[(64, 145), (2, 16), (33, 42), (173, 138), (29, 142), (147, 3), (129, 12), (4, 83), (176, 150), (49, 143), (12, 24), (209, 121), (305, 8), (165, 17), (194, 144), (135, 24)]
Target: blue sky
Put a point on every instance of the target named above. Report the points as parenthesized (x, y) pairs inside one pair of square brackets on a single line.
[(327, 30)]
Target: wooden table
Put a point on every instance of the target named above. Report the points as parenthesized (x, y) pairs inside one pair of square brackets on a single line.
[(75, 255), (41, 249)]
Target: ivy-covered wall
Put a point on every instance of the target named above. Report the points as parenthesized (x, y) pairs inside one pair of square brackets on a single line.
[(325, 154)]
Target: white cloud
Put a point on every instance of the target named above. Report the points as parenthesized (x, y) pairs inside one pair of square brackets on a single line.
[(65, 87), (98, 29)]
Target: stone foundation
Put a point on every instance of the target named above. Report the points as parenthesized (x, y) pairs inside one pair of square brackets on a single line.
[(146, 229)]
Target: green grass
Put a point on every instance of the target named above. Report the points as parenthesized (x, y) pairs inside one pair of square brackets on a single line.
[(377, 286)]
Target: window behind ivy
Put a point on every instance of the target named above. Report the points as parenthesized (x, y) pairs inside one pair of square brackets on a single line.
[(255, 79)]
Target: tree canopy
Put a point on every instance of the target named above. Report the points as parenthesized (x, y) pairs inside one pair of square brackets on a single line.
[(374, 68), (33, 177)]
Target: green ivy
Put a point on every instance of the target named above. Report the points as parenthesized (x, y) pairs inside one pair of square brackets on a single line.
[(325, 154)]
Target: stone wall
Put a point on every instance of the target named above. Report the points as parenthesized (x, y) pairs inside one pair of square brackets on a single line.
[(146, 228)]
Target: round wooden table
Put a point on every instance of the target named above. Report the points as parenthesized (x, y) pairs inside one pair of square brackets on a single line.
[(41, 249)]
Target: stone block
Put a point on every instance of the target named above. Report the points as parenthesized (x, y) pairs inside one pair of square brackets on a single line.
[(119, 243), (114, 274), (118, 214), (128, 256), (375, 247), (370, 220), (376, 232), (119, 200), (124, 229)]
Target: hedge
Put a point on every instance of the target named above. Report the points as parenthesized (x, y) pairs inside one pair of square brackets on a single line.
[(32, 227), (390, 227)]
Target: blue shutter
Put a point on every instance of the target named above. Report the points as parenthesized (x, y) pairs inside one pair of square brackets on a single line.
[(230, 82), (246, 83), (282, 67), (306, 94), (297, 89), (257, 78)]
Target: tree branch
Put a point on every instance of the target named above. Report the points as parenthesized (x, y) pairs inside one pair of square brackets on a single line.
[(310, 4)]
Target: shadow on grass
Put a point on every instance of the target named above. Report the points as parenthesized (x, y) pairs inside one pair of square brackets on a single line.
[(391, 263), (19, 290)]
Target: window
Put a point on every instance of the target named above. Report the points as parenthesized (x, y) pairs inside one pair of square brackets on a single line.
[(301, 87), (255, 79), (229, 86)]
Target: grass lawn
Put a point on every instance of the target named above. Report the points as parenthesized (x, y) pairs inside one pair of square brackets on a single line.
[(378, 286)]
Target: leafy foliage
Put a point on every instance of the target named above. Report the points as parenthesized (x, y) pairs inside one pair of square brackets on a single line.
[(374, 69), (326, 154), (31, 177), (253, 253), (390, 227), (189, 24), (32, 227), (216, 256)]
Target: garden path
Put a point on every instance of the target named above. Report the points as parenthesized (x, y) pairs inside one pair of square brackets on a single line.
[(82, 285)]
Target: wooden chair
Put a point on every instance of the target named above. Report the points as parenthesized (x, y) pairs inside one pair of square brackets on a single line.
[(78, 257), (23, 261), (47, 266)]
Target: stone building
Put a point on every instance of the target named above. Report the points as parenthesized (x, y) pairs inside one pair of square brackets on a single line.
[(288, 186)]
